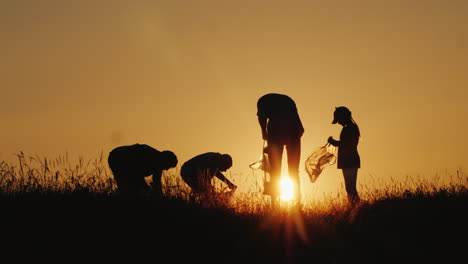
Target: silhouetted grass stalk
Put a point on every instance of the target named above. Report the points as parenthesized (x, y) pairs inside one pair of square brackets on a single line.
[(41, 175)]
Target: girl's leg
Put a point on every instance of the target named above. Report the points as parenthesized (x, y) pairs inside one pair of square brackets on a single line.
[(350, 178)]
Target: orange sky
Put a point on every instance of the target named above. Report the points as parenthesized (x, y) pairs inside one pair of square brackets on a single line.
[(86, 76)]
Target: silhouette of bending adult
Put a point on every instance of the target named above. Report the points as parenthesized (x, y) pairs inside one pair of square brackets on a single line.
[(199, 171), (348, 156), (281, 128), (131, 164)]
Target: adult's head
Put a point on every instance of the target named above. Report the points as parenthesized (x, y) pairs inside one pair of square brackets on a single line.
[(225, 162), (342, 115), (168, 159)]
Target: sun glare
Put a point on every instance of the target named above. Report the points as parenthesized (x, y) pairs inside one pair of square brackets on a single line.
[(286, 189)]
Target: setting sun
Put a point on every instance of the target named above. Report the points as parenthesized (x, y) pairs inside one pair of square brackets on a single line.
[(286, 189)]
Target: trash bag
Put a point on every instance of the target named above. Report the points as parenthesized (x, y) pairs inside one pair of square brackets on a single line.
[(319, 159), (262, 164)]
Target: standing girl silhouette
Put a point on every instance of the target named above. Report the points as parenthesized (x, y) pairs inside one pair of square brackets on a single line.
[(348, 156)]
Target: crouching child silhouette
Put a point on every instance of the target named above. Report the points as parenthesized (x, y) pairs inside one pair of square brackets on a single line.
[(131, 164), (199, 171)]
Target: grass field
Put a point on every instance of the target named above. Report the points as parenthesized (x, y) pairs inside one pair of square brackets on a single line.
[(60, 202)]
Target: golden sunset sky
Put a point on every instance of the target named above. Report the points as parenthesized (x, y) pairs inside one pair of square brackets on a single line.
[(81, 77)]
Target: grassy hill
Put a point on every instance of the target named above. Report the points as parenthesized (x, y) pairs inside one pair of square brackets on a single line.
[(42, 206)]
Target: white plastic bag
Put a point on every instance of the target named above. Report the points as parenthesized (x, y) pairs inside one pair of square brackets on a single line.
[(262, 164), (319, 159)]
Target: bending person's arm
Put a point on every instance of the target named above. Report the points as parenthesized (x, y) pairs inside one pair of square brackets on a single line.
[(223, 178), (262, 120), (156, 184)]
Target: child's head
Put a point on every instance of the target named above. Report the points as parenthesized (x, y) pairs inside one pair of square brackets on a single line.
[(169, 159), (342, 115), (225, 162)]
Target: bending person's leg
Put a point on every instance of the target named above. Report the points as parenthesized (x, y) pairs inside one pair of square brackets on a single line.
[(294, 154), (275, 154)]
